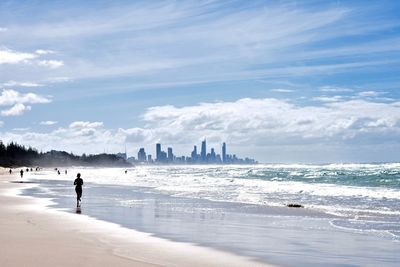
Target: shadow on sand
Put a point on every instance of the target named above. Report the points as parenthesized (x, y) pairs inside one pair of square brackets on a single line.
[(78, 210)]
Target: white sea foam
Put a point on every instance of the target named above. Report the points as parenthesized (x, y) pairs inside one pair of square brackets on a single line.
[(233, 183)]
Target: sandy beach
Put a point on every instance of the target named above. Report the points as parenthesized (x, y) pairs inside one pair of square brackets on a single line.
[(33, 235)]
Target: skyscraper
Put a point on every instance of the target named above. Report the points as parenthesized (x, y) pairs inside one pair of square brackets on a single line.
[(194, 154), (223, 152), (170, 155), (163, 157), (203, 154), (141, 155), (212, 156), (158, 152)]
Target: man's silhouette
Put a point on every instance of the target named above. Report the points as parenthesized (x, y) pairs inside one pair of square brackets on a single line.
[(78, 189)]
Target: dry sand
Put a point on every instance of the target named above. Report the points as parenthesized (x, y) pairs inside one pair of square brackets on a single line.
[(33, 235)]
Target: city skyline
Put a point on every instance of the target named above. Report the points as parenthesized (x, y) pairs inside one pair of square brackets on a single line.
[(204, 157)]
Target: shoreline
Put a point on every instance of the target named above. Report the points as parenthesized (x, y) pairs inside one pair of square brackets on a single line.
[(33, 234), (150, 228)]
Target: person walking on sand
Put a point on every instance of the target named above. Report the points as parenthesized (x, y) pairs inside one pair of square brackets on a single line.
[(10, 171), (78, 189), (21, 173)]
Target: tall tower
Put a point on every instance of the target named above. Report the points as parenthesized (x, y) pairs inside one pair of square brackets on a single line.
[(223, 152), (194, 154), (141, 155), (213, 157), (203, 153), (170, 155), (158, 152)]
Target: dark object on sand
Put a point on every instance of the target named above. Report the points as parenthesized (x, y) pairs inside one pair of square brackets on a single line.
[(78, 189), (21, 172), (10, 171), (294, 206)]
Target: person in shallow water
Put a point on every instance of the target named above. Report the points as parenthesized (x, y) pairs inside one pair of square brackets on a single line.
[(78, 189)]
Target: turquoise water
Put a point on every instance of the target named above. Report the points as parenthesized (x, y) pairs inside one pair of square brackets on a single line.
[(380, 175)]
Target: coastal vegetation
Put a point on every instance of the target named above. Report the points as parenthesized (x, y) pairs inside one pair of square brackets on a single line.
[(15, 155)]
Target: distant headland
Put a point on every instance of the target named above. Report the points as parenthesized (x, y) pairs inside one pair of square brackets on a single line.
[(15, 155)]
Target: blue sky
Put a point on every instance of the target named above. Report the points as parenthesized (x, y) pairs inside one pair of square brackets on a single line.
[(281, 81)]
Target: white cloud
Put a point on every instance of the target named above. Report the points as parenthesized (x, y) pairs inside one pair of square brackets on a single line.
[(2, 29), (137, 135), (79, 136), (85, 124), (244, 124), (334, 89), (21, 129), (22, 84), (159, 36), (155, 38), (328, 98), (13, 57), (370, 94), (52, 64), (16, 110), (58, 79), (48, 122), (44, 52), (18, 102), (272, 121), (278, 90), (10, 97)]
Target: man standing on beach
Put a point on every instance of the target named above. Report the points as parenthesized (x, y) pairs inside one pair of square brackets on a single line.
[(78, 189), (21, 173)]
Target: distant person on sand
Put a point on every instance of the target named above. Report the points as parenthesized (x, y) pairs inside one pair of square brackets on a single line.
[(66, 171), (58, 172), (21, 173), (78, 189), (10, 171)]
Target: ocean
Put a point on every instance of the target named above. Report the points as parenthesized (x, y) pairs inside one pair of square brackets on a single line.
[(351, 214)]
